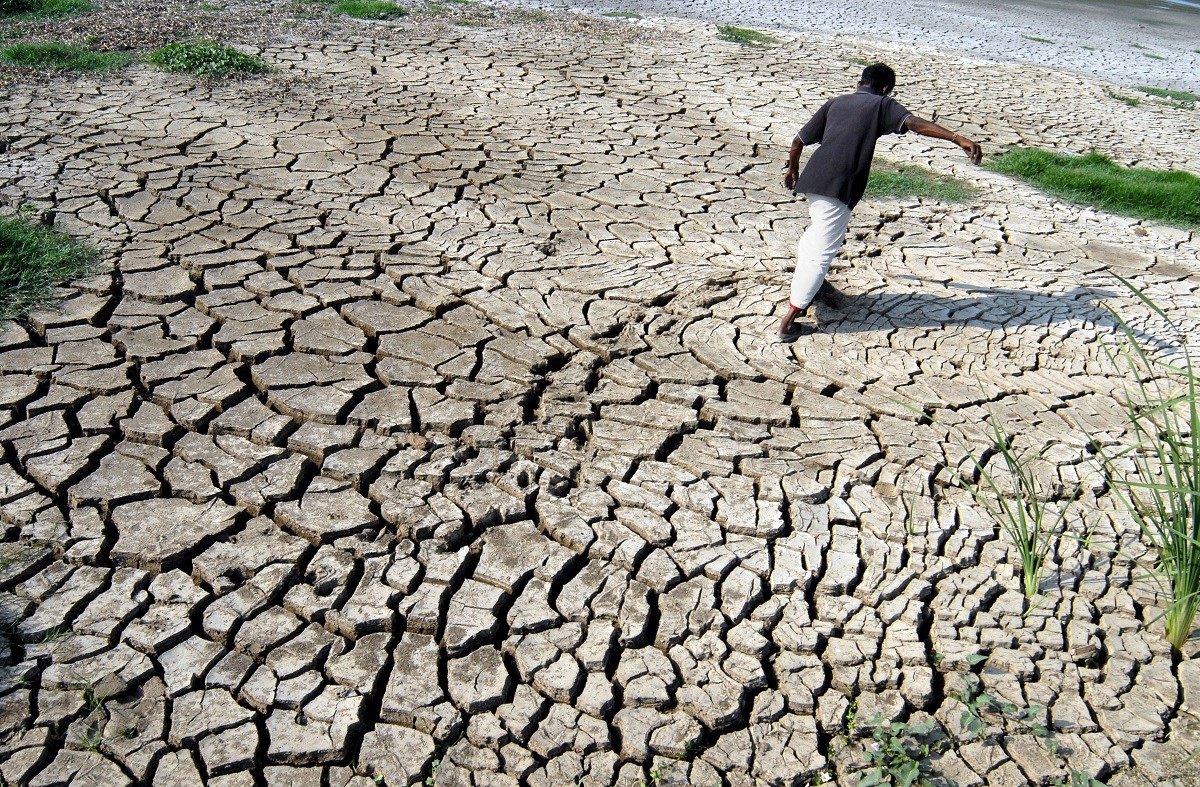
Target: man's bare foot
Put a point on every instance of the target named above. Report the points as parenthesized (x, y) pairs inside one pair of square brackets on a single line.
[(787, 326)]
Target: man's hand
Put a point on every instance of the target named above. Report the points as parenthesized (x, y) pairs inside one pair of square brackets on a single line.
[(790, 177), (971, 148), (928, 128)]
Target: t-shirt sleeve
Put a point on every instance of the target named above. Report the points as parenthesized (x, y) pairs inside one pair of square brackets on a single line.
[(814, 130), (894, 115)]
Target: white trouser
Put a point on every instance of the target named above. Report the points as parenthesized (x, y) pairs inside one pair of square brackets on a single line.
[(828, 219)]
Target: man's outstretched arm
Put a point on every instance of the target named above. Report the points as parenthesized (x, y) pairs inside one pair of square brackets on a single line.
[(793, 165), (927, 128)]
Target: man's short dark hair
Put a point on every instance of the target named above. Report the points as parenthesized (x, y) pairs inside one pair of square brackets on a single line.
[(879, 76)]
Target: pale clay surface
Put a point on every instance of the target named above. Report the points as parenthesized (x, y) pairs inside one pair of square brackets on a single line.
[(427, 420)]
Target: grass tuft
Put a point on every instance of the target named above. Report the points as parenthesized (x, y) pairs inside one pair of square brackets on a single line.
[(370, 9), (41, 8), (908, 181), (1171, 196), (33, 259), (1014, 497), (1038, 39), (1132, 101), (1157, 478), (1174, 95), (206, 59), (745, 37), (63, 57)]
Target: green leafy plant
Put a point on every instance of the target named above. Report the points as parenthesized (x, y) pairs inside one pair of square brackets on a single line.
[(63, 57), (898, 753), (43, 8), (986, 717), (1021, 512), (33, 258), (1171, 196), (1157, 478), (745, 37), (206, 59), (910, 181)]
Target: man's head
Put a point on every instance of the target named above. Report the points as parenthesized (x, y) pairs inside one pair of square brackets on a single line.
[(879, 78)]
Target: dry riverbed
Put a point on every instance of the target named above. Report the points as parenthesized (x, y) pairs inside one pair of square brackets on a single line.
[(425, 421)]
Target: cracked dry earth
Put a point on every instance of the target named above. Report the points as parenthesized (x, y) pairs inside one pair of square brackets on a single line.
[(425, 423)]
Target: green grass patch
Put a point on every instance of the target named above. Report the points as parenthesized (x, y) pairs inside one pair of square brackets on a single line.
[(33, 259), (890, 180), (1132, 101), (1136, 45), (1153, 56), (1171, 196), (370, 9), (39, 8), (622, 15), (745, 37), (206, 59), (1174, 95), (861, 61), (1089, 48), (63, 57), (1038, 39)]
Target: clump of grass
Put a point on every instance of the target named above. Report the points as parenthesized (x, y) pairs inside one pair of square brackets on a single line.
[(1136, 45), (1153, 56), (206, 59), (1089, 48), (1162, 490), (908, 181), (39, 8), (370, 9), (1038, 39), (861, 61), (622, 15), (1132, 101), (63, 57), (1175, 95), (745, 37), (1020, 511), (1171, 196), (34, 258)]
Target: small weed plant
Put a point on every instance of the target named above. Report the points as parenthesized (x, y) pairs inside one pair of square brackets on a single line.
[(1038, 39), (1171, 196), (1021, 511), (745, 37), (892, 181), (1157, 478), (33, 258), (206, 59), (63, 57), (898, 753)]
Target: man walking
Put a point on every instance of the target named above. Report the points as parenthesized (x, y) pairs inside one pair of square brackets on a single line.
[(835, 178)]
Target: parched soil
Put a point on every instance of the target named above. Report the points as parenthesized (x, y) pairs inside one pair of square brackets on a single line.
[(426, 422)]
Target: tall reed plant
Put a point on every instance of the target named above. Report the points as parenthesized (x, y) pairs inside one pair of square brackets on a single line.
[(1157, 478), (1022, 511)]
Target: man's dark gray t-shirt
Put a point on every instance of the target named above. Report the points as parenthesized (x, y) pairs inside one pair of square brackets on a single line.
[(846, 128)]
